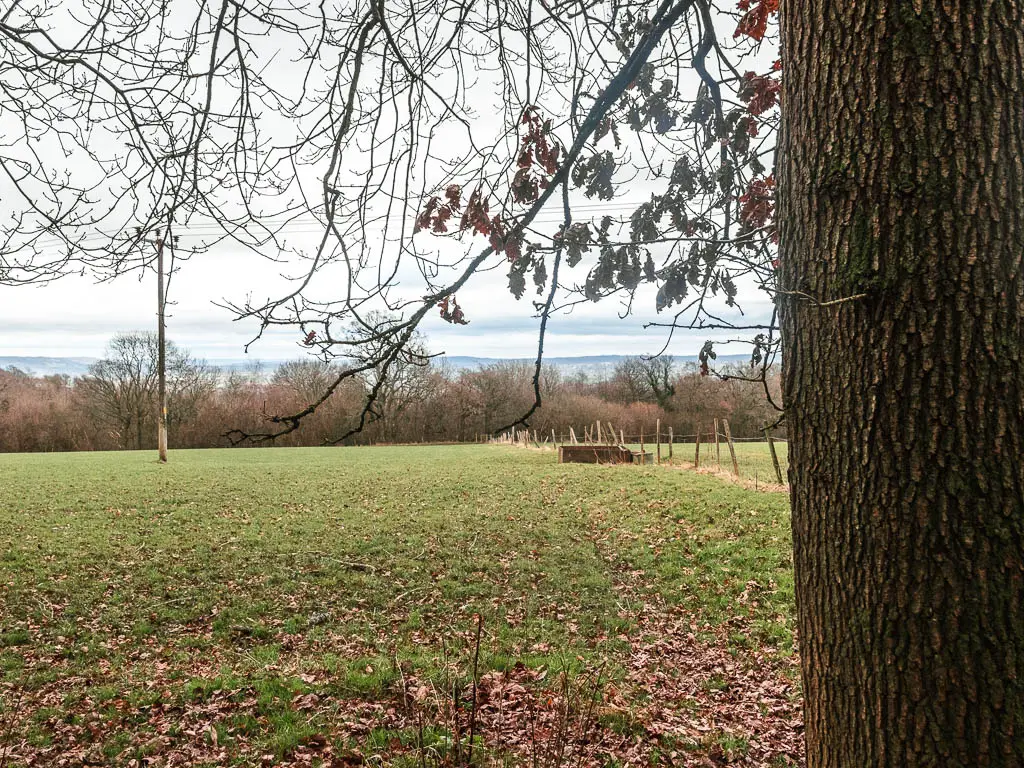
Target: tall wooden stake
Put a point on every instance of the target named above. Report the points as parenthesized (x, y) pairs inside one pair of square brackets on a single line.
[(775, 456), (657, 440), (696, 450), (671, 442), (732, 448), (718, 452)]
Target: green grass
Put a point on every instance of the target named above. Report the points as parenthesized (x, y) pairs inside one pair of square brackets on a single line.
[(754, 459), (248, 579)]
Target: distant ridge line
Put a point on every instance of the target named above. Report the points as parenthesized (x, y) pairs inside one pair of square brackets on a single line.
[(595, 364)]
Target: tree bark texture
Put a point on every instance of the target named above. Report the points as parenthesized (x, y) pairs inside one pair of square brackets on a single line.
[(901, 200)]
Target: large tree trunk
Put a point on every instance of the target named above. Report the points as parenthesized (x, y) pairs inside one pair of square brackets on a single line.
[(902, 183)]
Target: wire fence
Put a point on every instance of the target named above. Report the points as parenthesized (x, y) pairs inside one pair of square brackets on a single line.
[(761, 459)]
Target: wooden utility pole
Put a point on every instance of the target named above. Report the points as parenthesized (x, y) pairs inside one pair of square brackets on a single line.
[(161, 314), (161, 364)]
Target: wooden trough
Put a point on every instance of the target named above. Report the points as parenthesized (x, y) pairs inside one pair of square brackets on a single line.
[(601, 454)]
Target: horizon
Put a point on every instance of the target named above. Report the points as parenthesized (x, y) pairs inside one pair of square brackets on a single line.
[(75, 366)]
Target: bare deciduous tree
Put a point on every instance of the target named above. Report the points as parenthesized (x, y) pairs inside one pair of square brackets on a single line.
[(121, 119), (306, 377), (121, 389), (647, 380)]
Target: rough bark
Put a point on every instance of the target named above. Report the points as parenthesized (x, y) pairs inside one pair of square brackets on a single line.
[(902, 182)]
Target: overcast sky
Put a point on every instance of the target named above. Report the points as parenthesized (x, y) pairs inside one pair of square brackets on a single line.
[(75, 316)]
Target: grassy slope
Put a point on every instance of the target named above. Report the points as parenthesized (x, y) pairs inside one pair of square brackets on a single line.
[(123, 582)]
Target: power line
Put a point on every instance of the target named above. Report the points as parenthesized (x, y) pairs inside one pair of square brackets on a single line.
[(308, 224)]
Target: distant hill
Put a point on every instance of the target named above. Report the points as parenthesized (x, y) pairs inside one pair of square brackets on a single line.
[(593, 366), (48, 366)]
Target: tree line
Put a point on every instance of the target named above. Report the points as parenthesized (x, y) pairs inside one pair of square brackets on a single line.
[(114, 406)]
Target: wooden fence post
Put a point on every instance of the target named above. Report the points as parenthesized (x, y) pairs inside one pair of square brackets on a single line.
[(696, 450), (671, 442), (718, 452), (642, 457), (775, 456), (554, 440), (732, 448), (657, 428), (622, 437)]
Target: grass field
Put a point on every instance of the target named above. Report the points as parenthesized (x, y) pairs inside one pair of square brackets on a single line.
[(321, 607)]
